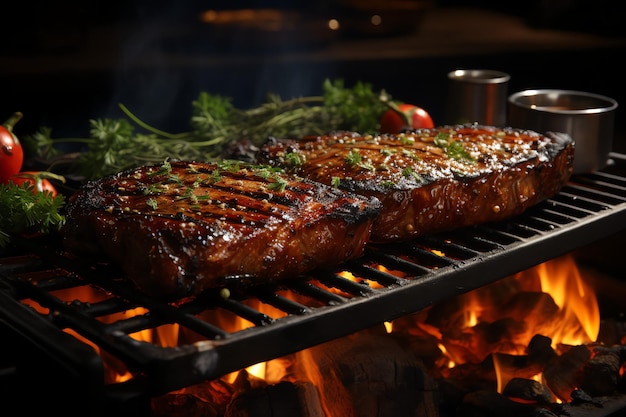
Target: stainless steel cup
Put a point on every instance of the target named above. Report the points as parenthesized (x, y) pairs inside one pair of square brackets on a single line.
[(477, 95), (588, 118)]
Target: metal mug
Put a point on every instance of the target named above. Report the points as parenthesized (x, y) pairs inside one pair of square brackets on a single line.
[(587, 117), (477, 96)]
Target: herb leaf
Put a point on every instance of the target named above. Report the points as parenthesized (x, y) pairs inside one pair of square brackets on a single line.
[(117, 144), (25, 211), (454, 149)]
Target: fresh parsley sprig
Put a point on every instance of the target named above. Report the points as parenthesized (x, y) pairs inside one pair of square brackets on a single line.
[(25, 211)]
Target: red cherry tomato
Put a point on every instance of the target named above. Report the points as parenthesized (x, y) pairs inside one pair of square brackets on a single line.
[(11, 152), (37, 179), (409, 117)]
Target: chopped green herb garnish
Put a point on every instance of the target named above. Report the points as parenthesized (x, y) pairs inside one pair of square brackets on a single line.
[(215, 176), (164, 169), (230, 165), (153, 189), (279, 185), (410, 154), (354, 157), (197, 182), (441, 140), (174, 178), (335, 182), (266, 171), (295, 159), (406, 140), (410, 172), (188, 195), (368, 166), (454, 149), (152, 203)]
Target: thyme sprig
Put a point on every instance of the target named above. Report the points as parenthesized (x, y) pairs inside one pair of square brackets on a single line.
[(116, 144)]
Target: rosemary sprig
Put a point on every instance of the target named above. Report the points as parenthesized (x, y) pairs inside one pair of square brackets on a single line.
[(117, 144)]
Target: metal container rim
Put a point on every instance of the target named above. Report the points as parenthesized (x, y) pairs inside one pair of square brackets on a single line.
[(604, 104), (479, 76)]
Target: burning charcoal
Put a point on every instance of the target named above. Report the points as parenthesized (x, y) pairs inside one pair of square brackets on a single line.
[(602, 373), (424, 347), (540, 350), (488, 403), (285, 399), (528, 389), (544, 412), (514, 366), (566, 372), (183, 405), (581, 397), (207, 399), (369, 374), (474, 376), (246, 381), (536, 310), (618, 350), (451, 396)]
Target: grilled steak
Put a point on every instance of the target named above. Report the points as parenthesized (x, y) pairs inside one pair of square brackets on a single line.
[(433, 180), (184, 227)]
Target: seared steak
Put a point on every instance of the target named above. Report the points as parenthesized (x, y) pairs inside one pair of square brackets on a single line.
[(183, 227), (433, 180)]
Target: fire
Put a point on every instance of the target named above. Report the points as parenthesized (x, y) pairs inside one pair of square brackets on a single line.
[(551, 299), (561, 279), (115, 370), (498, 320)]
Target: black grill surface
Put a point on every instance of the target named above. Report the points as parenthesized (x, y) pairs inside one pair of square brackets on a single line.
[(386, 283)]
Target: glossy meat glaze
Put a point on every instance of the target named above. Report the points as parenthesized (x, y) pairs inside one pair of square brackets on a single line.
[(432, 180), (184, 227)]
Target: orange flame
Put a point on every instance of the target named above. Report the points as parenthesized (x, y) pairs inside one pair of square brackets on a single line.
[(551, 299), (581, 322)]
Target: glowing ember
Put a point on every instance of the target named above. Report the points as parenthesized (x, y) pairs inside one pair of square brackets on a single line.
[(546, 311)]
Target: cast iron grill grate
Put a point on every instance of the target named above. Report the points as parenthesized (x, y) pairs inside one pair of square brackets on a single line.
[(389, 281)]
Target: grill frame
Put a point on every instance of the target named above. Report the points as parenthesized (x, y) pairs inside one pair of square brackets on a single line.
[(590, 207)]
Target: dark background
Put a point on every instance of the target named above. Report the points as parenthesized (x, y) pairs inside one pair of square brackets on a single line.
[(63, 64)]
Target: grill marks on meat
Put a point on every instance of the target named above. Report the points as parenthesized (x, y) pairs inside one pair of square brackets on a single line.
[(185, 227), (432, 180)]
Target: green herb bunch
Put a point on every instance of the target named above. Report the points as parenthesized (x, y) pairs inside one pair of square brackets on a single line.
[(215, 123), (22, 210)]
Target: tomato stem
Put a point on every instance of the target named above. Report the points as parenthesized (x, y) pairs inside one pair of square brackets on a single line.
[(406, 116), (12, 121), (41, 175)]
